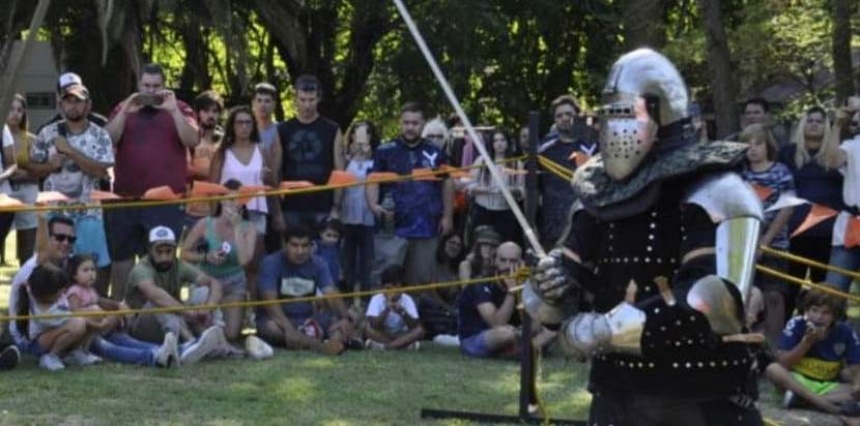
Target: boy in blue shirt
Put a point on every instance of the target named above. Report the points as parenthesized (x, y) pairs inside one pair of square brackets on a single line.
[(816, 348)]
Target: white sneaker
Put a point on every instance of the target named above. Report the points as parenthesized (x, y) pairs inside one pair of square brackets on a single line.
[(447, 340), (257, 348), (51, 362), (373, 344), (168, 354), (206, 343), (415, 346), (81, 357)]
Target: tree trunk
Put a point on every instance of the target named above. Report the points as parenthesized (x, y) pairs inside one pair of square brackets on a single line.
[(841, 14), (643, 24), (720, 66)]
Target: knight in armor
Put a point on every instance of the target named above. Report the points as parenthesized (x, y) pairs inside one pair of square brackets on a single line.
[(663, 238)]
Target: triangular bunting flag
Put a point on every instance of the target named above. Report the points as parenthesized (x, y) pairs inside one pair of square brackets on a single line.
[(423, 174), (785, 200), (762, 192), (455, 172), (381, 176), (250, 191), (50, 197), (202, 188), (852, 232), (161, 193), (97, 195), (339, 177), (817, 214), (7, 201), (295, 184)]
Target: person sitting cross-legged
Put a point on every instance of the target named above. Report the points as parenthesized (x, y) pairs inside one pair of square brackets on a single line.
[(295, 273), (392, 317)]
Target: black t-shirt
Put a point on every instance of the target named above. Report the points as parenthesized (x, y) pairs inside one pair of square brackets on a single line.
[(308, 154)]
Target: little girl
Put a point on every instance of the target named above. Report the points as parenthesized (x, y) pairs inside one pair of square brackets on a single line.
[(111, 343), (49, 338)]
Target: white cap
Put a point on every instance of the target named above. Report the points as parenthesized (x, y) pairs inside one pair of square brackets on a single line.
[(162, 235), (67, 80)]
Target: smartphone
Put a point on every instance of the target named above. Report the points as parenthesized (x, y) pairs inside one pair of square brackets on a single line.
[(149, 99)]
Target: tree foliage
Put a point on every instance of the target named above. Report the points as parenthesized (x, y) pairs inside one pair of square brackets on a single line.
[(503, 58)]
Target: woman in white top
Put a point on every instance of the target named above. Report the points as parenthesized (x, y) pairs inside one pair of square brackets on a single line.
[(239, 157), (25, 187), (489, 206)]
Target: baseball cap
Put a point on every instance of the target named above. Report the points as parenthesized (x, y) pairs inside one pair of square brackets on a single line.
[(76, 90), (162, 235), (67, 80), (486, 234)]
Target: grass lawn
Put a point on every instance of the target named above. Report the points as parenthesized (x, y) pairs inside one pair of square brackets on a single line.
[(299, 388)]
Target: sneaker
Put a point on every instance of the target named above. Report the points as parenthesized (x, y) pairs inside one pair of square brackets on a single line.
[(354, 344), (257, 348), (415, 346), (9, 358), (374, 345), (331, 347), (168, 354), (81, 357), (51, 362), (208, 341), (447, 340)]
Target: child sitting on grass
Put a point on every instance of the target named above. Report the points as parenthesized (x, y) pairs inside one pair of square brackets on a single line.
[(112, 343), (392, 317), (51, 338), (823, 353)]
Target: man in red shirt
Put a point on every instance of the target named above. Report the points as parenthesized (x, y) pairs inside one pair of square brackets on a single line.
[(151, 131)]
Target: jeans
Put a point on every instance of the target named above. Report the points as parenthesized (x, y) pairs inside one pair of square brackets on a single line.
[(121, 347), (845, 258), (357, 255)]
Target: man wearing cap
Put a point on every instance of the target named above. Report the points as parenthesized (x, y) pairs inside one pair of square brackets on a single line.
[(66, 80), (152, 132), (156, 282), (486, 311), (72, 155)]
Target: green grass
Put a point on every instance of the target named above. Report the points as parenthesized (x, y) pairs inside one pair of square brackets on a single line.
[(360, 388)]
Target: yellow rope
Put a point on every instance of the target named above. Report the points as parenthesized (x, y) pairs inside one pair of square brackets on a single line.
[(810, 262), (108, 204), (803, 283), (255, 303)]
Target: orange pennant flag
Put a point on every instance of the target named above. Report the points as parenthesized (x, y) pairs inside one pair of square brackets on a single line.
[(852, 232), (295, 184), (424, 174), (7, 201), (50, 197), (762, 192), (579, 158), (817, 214), (454, 172), (250, 191), (161, 193), (97, 195), (202, 188), (384, 176), (339, 177)]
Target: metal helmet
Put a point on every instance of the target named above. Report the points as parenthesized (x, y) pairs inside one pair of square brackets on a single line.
[(643, 93)]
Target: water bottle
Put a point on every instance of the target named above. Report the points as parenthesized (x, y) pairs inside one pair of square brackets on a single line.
[(388, 220)]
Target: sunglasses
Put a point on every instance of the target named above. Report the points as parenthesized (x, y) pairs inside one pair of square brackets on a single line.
[(64, 237)]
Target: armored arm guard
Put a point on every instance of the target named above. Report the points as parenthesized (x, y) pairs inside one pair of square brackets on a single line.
[(701, 307)]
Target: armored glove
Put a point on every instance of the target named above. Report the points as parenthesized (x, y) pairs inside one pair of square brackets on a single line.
[(552, 280)]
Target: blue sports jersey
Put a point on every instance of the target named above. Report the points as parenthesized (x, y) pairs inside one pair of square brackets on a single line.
[(418, 203), (826, 358)]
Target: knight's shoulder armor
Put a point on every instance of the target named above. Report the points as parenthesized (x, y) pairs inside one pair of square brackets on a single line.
[(725, 195)]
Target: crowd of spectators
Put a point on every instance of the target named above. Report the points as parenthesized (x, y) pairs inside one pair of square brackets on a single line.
[(371, 237)]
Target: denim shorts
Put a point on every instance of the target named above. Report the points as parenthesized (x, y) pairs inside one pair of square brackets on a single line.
[(234, 285), (258, 219), (476, 345)]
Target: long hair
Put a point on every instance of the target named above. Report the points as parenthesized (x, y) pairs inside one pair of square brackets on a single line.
[(828, 146), (46, 280), (24, 125), (509, 153), (350, 136), (74, 263), (442, 257), (229, 130)]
